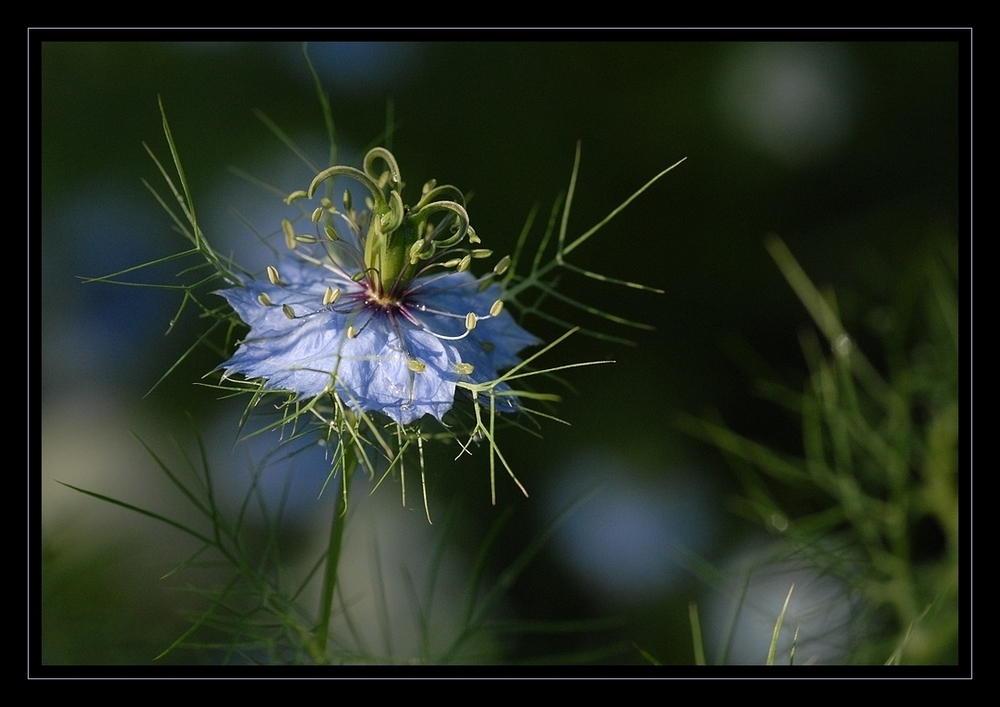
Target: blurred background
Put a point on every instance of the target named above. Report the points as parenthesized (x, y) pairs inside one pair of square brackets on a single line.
[(850, 152)]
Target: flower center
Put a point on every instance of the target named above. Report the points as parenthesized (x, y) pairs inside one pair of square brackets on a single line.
[(380, 298)]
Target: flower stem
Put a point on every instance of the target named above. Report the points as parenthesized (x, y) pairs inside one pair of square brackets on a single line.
[(349, 462)]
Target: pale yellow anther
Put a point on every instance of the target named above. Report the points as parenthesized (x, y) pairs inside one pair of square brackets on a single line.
[(416, 366), (288, 311), (272, 275), (330, 296), (501, 267), (330, 233), (496, 308), (464, 264), (317, 214), (286, 226), (264, 299), (464, 369), (451, 263), (470, 321), (347, 200), (351, 332), (481, 253)]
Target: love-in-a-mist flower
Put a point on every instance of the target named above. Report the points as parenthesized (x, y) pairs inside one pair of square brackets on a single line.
[(387, 317)]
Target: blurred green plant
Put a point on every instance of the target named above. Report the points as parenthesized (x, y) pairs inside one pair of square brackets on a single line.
[(879, 469), (259, 610)]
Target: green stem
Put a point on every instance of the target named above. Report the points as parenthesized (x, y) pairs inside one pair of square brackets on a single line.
[(350, 461)]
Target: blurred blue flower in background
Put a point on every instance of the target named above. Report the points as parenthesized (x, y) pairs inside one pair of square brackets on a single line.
[(627, 543)]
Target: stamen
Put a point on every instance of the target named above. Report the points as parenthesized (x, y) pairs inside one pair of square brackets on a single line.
[(317, 214), (416, 366), (464, 264), (264, 299), (286, 226), (464, 369), (501, 267), (413, 319), (330, 233), (470, 321), (481, 253), (288, 311), (351, 332), (496, 308), (330, 296)]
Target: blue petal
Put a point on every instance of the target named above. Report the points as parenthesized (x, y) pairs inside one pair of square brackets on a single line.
[(493, 345)]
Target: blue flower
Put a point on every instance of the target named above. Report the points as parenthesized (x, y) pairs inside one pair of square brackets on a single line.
[(315, 330), (330, 320)]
